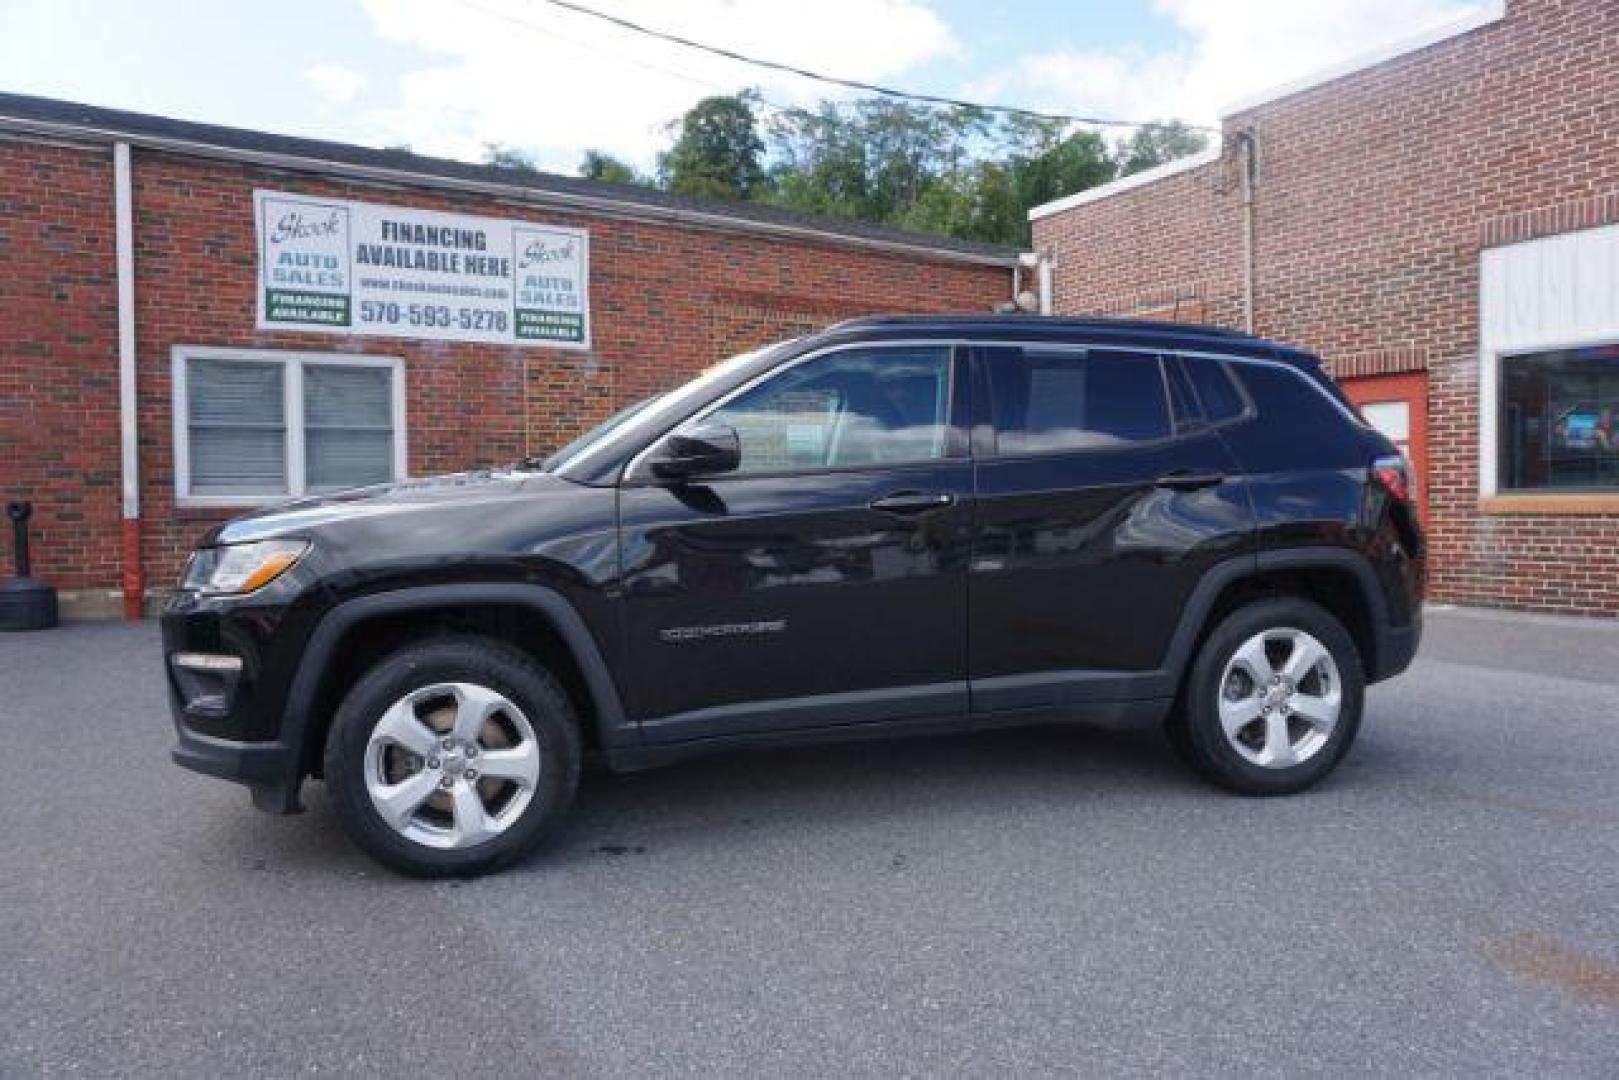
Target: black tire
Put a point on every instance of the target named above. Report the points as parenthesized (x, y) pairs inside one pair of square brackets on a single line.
[(467, 659), (1195, 729)]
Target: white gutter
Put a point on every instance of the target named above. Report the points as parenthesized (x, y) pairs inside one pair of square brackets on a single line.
[(620, 208), (1128, 183), (128, 409)]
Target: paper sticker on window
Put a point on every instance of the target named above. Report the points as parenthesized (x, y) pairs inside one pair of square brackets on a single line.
[(806, 442)]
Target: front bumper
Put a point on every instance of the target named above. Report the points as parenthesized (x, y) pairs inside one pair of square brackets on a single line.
[(228, 722), (270, 770)]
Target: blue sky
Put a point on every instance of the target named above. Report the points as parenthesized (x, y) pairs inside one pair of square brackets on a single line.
[(447, 76)]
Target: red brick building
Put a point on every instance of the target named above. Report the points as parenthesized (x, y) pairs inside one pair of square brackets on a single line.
[(135, 425), (1441, 223)]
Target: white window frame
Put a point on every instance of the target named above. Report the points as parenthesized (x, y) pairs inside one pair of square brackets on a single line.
[(292, 374)]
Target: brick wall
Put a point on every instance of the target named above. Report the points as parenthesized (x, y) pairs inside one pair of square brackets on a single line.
[(1376, 194), (666, 302), (59, 358)]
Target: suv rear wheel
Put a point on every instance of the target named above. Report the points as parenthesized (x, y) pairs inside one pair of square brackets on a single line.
[(453, 756), (1273, 699)]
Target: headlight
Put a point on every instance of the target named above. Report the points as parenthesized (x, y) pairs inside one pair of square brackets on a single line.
[(241, 568)]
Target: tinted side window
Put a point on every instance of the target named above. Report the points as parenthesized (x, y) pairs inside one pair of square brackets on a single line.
[(1215, 391), (1300, 424), (1050, 400), (1182, 398), (845, 410)]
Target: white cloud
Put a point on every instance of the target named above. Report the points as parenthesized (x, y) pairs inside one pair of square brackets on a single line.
[(334, 81), (553, 82), (1233, 48)]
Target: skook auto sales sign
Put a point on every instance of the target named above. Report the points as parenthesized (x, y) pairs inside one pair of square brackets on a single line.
[(335, 266)]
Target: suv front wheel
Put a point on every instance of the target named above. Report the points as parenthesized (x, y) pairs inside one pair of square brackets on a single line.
[(1273, 699), (453, 756)]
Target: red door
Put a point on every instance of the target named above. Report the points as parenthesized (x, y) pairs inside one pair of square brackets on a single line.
[(1397, 405)]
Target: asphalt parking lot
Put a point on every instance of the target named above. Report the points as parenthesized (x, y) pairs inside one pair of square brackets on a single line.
[(1052, 901)]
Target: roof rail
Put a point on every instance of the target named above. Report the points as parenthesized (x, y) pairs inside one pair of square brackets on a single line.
[(1045, 322)]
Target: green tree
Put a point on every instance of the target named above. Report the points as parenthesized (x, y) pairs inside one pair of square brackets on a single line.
[(1045, 161), (1156, 144), (508, 157), (717, 152), (954, 171), (876, 159), (959, 171), (819, 163), (598, 165)]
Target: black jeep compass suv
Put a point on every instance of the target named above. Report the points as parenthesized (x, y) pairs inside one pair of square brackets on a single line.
[(904, 524)]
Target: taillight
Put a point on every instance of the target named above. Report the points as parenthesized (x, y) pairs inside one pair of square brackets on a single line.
[(1395, 476)]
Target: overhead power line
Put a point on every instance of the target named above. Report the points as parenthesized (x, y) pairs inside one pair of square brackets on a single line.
[(850, 84), (595, 47)]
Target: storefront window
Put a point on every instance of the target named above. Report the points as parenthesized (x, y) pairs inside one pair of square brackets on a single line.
[(1559, 423)]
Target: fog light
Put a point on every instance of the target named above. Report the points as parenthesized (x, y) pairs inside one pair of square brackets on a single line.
[(206, 682), (213, 662)]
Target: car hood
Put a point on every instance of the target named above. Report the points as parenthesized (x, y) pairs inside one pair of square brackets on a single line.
[(463, 490)]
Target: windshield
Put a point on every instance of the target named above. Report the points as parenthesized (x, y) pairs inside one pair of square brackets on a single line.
[(654, 410)]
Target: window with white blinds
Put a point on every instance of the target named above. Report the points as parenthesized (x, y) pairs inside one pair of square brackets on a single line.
[(237, 419), (348, 426), (253, 426)]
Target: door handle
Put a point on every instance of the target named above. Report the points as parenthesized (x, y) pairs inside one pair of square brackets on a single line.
[(913, 502), (1185, 480)]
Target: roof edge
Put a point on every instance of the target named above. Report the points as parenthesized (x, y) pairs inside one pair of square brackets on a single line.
[(1127, 183), (1492, 11), (108, 132)]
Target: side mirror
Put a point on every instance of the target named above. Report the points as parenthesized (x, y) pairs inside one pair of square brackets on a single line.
[(699, 451)]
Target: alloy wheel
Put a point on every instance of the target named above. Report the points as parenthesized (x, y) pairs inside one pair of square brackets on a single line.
[(452, 765), (1280, 698)]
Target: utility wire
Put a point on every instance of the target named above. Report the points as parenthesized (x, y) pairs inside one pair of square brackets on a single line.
[(588, 46), (851, 84)]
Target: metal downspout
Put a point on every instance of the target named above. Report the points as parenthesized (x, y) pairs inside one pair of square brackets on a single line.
[(133, 576), (1249, 166)]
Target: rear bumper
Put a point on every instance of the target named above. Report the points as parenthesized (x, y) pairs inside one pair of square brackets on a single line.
[(1397, 647)]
